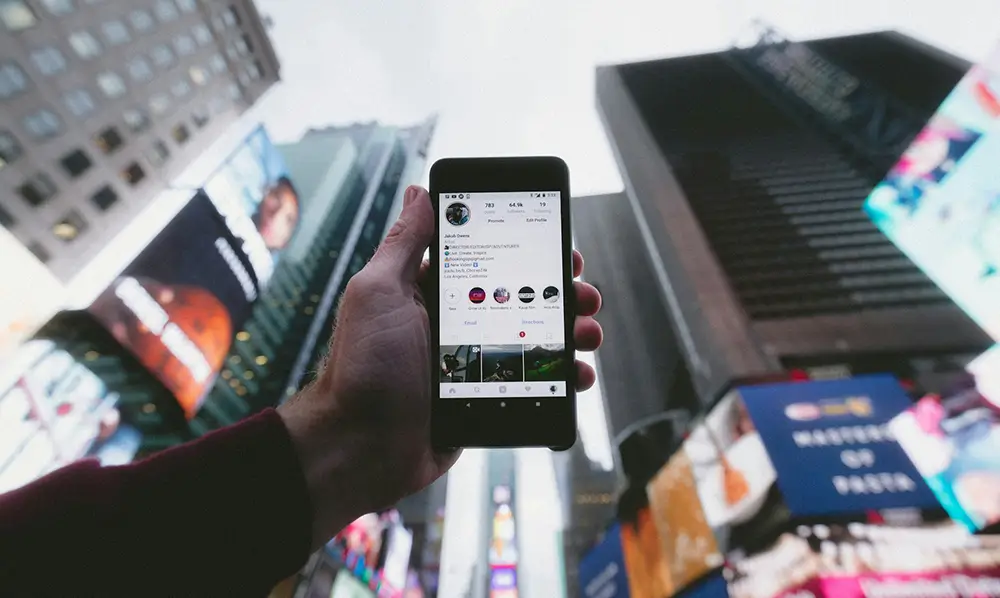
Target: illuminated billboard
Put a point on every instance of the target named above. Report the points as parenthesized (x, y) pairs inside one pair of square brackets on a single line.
[(940, 203), (258, 201), (178, 304)]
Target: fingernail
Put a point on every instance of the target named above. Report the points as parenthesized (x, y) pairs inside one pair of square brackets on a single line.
[(409, 195)]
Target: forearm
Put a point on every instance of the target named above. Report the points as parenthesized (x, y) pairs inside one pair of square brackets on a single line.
[(228, 514)]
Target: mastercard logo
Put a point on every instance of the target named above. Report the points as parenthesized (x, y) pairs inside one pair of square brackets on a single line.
[(477, 295)]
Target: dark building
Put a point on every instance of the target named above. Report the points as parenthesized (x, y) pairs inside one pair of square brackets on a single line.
[(746, 171)]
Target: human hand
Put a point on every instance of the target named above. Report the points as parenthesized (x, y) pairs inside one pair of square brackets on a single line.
[(362, 429)]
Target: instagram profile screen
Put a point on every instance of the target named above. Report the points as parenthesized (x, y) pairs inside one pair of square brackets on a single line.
[(502, 302)]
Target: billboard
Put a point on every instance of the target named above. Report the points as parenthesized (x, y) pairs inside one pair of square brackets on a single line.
[(56, 412), (941, 202), (346, 585), (399, 543), (178, 304), (861, 559), (647, 571), (686, 539), (954, 441), (602, 571), (256, 198)]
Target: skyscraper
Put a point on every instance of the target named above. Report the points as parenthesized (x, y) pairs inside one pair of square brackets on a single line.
[(746, 171), (104, 102)]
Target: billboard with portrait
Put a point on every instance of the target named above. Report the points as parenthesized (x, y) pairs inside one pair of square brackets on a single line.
[(941, 202), (256, 197), (178, 304), (56, 412), (602, 571), (953, 438)]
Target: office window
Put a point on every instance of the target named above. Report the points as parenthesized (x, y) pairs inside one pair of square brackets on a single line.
[(162, 56), (158, 153), (10, 149), (6, 219), (253, 71), (12, 80), (104, 198), (115, 33), (48, 60), (159, 104), (84, 44), (247, 43), (136, 120), (165, 10), (141, 20), (79, 102), (217, 105), (231, 52), (180, 89), (187, 5), (217, 63), (230, 18), (70, 226), (241, 46), (180, 134), (198, 75), (200, 117), (133, 174), (16, 15), (202, 35), (37, 190), (234, 91), (244, 78), (111, 84), (42, 124), (40, 252), (184, 45), (58, 7), (76, 163), (139, 69), (109, 140)]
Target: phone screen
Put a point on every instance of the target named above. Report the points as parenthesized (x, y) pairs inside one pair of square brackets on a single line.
[(502, 305)]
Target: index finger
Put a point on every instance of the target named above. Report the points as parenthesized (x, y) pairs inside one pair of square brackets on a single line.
[(577, 263)]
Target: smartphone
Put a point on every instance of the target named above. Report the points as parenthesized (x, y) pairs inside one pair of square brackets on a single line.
[(502, 305)]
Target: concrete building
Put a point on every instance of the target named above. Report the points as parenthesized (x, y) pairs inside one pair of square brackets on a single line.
[(746, 171), (104, 102)]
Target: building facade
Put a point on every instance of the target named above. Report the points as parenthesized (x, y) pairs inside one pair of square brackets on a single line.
[(746, 171), (104, 102)]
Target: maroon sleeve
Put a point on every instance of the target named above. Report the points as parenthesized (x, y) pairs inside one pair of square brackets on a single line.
[(226, 515)]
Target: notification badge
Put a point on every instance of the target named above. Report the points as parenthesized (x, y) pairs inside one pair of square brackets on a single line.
[(477, 295)]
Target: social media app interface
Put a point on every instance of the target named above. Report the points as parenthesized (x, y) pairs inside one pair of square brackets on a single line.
[(502, 303)]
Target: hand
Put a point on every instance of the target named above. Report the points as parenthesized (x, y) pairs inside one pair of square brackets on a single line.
[(362, 429)]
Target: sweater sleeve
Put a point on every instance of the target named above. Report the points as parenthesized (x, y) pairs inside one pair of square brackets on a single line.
[(226, 515)]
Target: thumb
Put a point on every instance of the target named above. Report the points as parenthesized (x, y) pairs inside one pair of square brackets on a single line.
[(402, 251)]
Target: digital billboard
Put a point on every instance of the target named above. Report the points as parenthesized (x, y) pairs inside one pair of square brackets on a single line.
[(602, 572), (56, 412), (941, 202), (256, 197), (953, 438), (648, 575), (399, 543), (861, 559), (178, 304)]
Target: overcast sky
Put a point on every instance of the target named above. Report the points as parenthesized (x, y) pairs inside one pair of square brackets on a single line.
[(517, 77)]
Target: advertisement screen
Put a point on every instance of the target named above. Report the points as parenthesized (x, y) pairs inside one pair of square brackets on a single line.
[(177, 306), (502, 328), (55, 413), (688, 544), (602, 571), (831, 446), (875, 561), (503, 545), (647, 571), (941, 202), (359, 545), (954, 441), (258, 201), (397, 558), (503, 582), (346, 585)]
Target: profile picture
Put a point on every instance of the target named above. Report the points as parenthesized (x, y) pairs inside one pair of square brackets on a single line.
[(501, 295), (477, 295), (550, 294), (457, 214), (526, 294)]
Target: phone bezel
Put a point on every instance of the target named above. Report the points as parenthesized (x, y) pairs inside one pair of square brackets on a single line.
[(521, 421)]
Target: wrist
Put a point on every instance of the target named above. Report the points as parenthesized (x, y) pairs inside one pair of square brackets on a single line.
[(331, 464)]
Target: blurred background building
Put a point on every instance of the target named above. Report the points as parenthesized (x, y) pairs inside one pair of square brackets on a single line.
[(102, 104)]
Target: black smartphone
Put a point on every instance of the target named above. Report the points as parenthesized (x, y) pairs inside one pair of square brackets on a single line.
[(502, 305)]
